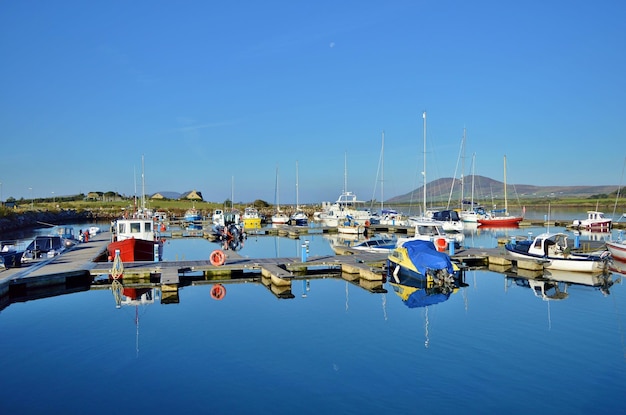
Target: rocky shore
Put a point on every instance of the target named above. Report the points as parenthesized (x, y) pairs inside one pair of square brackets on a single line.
[(33, 219)]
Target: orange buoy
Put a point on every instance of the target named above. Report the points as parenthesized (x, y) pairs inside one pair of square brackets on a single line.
[(367, 223), (441, 244), (217, 258), (218, 291)]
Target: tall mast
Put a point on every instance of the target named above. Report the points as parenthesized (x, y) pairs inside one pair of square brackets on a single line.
[(506, 205), (463, 170), (143, 186), (345, 172), (382, 173), (424, 172), (297, 193), (473, 177)]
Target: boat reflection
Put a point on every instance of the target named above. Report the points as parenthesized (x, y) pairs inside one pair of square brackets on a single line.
[(416, 293), (554, 284), (617, 266), (132, 296)]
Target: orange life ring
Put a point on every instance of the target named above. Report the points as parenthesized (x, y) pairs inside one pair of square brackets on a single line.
[(218, 291), (217, 258), (441, 244)]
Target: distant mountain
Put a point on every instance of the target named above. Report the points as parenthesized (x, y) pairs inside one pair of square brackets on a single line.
[(486, 189)]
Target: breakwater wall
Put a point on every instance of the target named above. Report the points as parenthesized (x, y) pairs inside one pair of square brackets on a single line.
[(31, 219)]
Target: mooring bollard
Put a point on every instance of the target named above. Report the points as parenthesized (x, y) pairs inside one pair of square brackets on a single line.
[(304, 251)]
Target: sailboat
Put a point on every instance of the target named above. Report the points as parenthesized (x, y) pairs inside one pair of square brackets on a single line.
[(298, 218), (425, 225), (386, 216), (474, 212), (279, 218), (504, 219)]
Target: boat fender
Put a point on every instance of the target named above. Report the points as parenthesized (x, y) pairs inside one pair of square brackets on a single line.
[(217, 258), (218, 291), (441, 244), (367, 223)]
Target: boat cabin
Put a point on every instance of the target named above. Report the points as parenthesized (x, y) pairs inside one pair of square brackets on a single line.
[(548, 244), (134, 228)]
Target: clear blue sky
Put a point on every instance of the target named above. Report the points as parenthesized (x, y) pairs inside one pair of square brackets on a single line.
[(220, 93)]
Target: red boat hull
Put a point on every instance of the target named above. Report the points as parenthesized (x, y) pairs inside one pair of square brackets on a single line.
[(132, 249), (503, 221)]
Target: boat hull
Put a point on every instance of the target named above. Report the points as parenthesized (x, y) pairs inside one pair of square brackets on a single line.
[(252, 223), (501, 221), (617, 250), (572, 263), (132, 250)]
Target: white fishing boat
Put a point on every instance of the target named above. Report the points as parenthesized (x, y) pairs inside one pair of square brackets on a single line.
[(554, 252)]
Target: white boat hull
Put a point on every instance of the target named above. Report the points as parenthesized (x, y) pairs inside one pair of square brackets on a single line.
[(573, 264), (617, 250)]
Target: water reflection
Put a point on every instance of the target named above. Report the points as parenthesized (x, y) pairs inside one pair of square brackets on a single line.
[(554, 285)]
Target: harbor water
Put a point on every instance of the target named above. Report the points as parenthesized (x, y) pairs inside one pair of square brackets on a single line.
[(497, 344)]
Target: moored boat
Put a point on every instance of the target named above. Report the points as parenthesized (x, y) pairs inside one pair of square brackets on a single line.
[(421, 260), (192, 214), (596, 221), (501, 218), (135, 239), (617, 249), (251, 218), (553, 251), (351, 226), (44, 246)]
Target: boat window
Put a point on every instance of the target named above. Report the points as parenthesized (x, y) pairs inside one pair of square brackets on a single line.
[(148, 226), (121, 227), (135, 227), (426, 230)]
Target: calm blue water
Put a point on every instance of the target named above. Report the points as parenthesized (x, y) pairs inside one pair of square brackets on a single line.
[(493, 346)]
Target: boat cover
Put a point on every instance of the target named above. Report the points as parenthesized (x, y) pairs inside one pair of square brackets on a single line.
[(421, 298), (424, 256)]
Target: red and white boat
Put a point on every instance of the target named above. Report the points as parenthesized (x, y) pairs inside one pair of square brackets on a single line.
[(136, 239), (596, 221), (617, 249)]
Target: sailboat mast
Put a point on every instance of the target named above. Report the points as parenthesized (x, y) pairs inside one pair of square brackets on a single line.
[(297, 193), (506, 205), (382, 173), (143, 186), (345, 172), (424, 172), (473, 177), (463, 170)]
